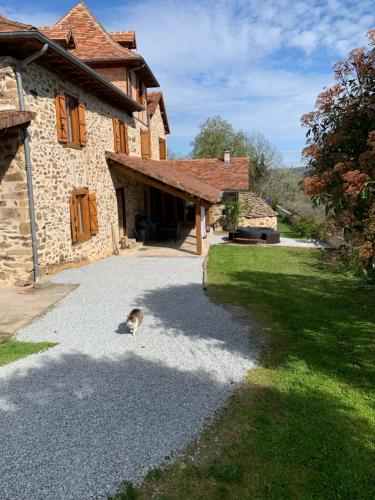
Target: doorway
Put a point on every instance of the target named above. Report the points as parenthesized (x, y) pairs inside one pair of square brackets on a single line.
[(120, 195)]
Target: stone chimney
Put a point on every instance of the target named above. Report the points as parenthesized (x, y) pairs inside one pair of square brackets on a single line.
[(227, 153)]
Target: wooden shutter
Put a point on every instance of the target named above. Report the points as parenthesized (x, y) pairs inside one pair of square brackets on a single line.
[(162, 149), (82, 124), (94, 227), (116, 134), (145, 144), (61, 120), (73, 219), (126, 139)]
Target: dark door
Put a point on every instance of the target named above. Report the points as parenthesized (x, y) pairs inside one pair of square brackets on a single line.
[(120, 194)]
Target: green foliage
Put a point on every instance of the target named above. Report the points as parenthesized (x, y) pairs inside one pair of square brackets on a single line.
[(217, 134), (263, 158), (341, 150), (233, 212), (307, 227), (128, 492)]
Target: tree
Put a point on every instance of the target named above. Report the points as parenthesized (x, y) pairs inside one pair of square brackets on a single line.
[(263, 158), (340, 150), (217, 134)]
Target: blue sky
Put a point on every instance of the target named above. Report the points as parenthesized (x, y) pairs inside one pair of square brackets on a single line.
[(258, 64)]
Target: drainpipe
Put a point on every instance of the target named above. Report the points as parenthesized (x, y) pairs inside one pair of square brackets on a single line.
[(28, 164)]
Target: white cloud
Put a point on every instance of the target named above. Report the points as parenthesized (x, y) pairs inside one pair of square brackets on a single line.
[(254, 64), (260, 65)]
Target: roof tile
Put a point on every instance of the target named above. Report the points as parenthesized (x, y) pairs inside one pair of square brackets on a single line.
[(164, 172), (226, 177)]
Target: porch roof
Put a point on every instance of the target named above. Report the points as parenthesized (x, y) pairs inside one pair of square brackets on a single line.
[(164, 173), (10, 119), (233, 176)]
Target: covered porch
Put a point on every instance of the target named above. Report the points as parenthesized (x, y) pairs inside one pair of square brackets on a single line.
[(172, 217)]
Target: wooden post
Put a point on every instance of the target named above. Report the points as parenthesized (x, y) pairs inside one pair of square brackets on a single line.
[(198, 227)]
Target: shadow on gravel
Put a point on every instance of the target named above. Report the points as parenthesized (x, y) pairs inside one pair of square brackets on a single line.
[(76, 427), (186, 310)]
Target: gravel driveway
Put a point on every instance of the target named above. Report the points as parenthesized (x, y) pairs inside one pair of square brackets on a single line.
[(103, 406)]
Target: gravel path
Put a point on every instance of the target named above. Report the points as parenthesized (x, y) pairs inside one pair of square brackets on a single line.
[(103, 406)]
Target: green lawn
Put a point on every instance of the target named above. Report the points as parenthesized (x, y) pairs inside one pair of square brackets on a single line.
[(286, 231), (13, 350), (303, 426)]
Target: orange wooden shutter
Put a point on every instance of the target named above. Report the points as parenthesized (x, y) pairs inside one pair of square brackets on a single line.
[(61, 120), (116, 134), (82, 124), (162, 149), (126, 139), (73, 219), (145, 144), (94, 227)]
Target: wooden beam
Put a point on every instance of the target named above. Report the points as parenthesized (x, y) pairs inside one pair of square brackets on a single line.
[(122, 169), (198, 227)]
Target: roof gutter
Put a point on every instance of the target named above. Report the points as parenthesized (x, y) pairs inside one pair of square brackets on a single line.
[(54, 47), (28, 163)]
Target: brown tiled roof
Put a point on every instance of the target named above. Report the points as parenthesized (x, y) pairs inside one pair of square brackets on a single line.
[(9, 25), (61, 36), (163, 172), (253, 206), (10, 119), (95, 46), (226, 177), (92, 42), (125, 38), (153, 100)]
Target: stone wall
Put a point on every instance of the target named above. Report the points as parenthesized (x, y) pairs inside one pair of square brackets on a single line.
[(258, 222), (219, 221), (8, 86), (16, 265), (57, 170), (157, 131)]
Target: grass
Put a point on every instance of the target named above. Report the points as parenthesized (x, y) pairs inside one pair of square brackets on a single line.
[(303, 426), (12, 350), (286, 230)]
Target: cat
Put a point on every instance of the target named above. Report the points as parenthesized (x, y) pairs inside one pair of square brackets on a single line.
[(134, 320)]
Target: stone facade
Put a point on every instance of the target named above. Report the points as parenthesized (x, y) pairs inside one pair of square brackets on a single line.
[(157, 132), (254, 212), (57, 170), (16, 264)]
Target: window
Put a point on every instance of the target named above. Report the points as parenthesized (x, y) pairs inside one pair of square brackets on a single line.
[(83, 215), (70, 120), (120, 135), (162, 149), (145, 144)]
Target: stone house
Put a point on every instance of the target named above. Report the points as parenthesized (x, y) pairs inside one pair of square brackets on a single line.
[(83, 148)]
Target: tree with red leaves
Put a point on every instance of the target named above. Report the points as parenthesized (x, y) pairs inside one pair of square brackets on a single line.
[(340, 150)]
